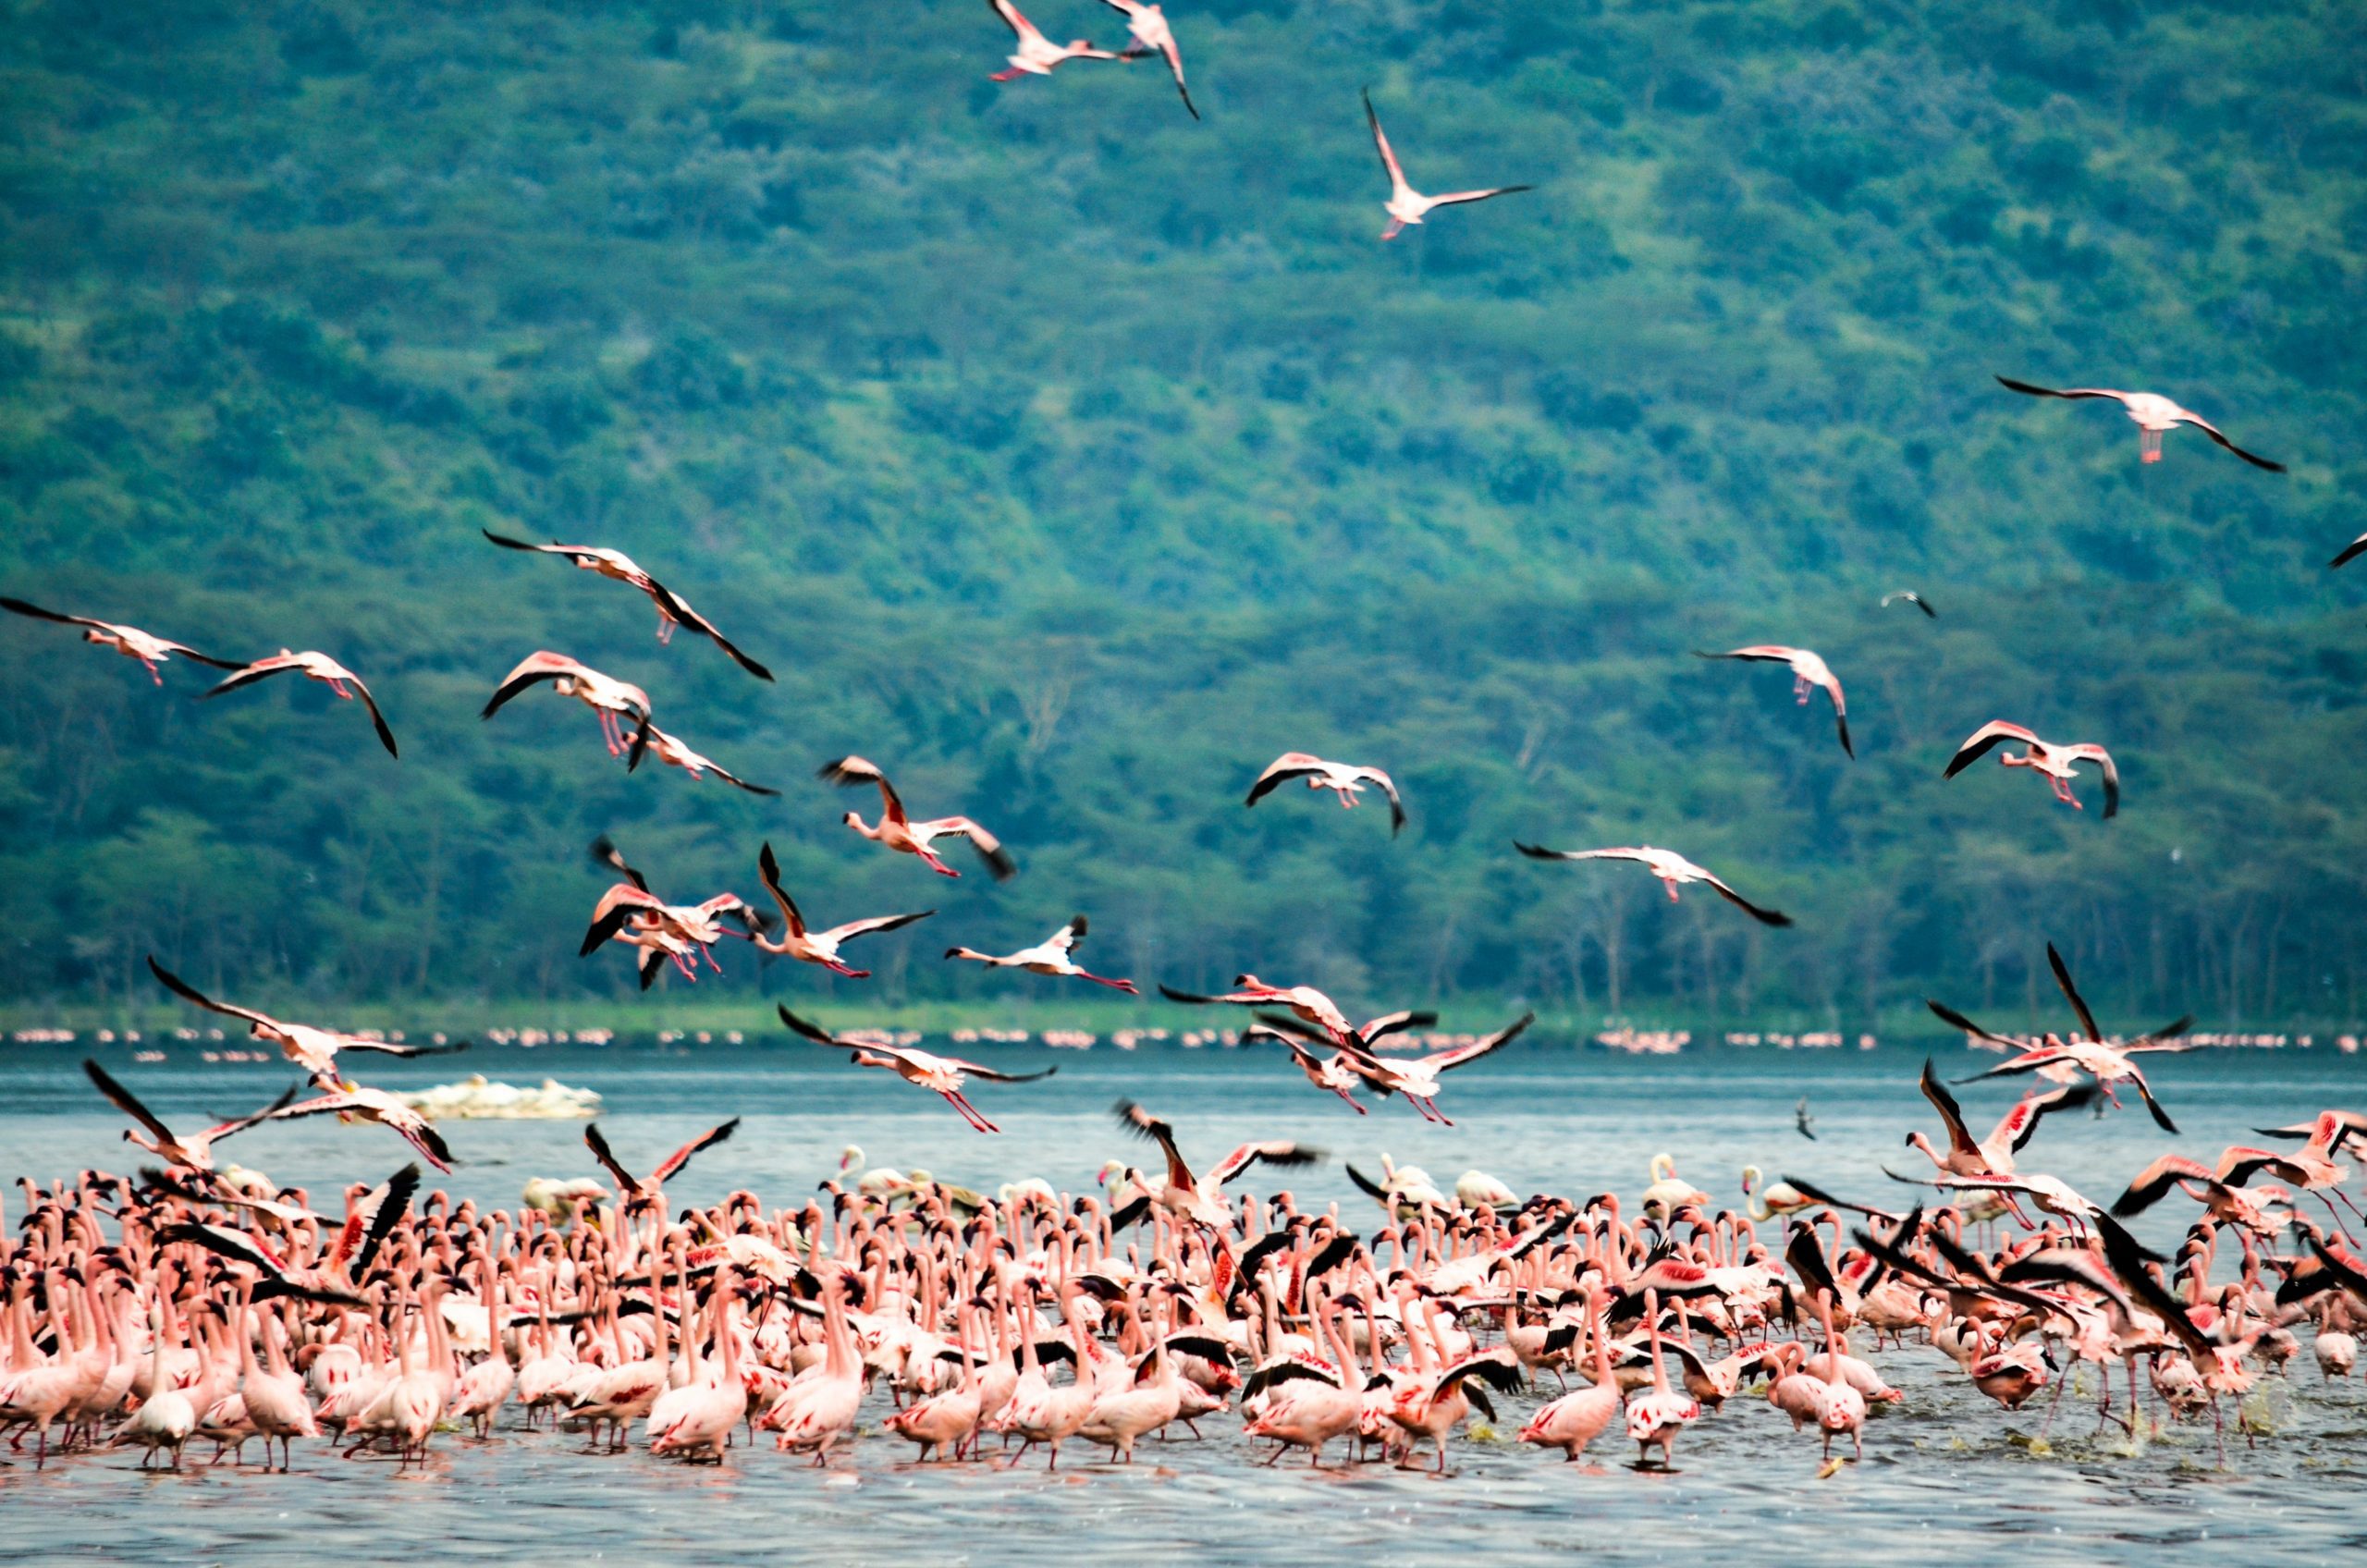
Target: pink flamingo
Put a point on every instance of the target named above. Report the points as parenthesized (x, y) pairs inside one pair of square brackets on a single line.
[(2058, 764), (316, 667), (1050, 956), (1808, 672), (128, 641), (898, 832), (1672, 869), (2155, 415), (1406, 205)]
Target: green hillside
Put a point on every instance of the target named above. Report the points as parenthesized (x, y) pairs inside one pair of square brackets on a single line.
[(1071, 459)]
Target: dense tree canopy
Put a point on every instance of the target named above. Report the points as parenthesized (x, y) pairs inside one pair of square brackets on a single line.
[(1071, 458)]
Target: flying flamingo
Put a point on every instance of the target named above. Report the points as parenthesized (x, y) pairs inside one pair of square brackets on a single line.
[(672, 609), (353, 1103), (1993, 1156), (1201, 1199), (194, 1152), (673, 753), (1050, 956), (1332, 1072), (2155, 415), (816, 947), (1417, 1078), (2107, 1062), (1344, 780), (1912, 597), (1304, 1001), (900, 832), (1152, 36), (1672, 869), (1037, 55), (128, 641), (648, 1193), (1406, 205), (941, 1074), (607, 697), (316, 667), (1809, 671), (314, 1050), (2350, 552), (2058, 764)]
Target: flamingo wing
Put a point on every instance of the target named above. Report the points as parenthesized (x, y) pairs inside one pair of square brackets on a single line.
[(1387, 787), (1440, 1061), (1980, 742), (1012, 18), (1951, 1017), (1065, 939), (190, 992), (1282, 770), (1394, 1022), (2025, 388), (249, 674), (2212, 431), (1764, 916), (2020, 1124), (1388, 158), (20, 607), (2350, 552), (854, 928), (1951, 1114), (1534, 852), (533, 668), (126, 1102), (849, 772), (681, 1156), (598, 1144), (993, 1075), (1141, 1124), (768, 873), (814, 1032), (999, 866), (1455, 197), (1278, 1152), (679, 609), (378, 719), (2071, 993), (2103, 759)]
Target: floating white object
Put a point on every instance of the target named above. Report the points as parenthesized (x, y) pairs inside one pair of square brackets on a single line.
[(477, 1098)]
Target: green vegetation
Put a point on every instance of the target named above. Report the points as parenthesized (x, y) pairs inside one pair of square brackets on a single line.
[(1071, 459)]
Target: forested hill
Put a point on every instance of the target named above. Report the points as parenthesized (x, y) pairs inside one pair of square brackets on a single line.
[(1071, 458)]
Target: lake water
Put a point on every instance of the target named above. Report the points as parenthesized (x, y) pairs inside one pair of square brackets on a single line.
[(1943, 1478)]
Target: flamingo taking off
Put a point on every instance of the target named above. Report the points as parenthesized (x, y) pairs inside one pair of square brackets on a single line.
[(605, 696), (2155, 415), (1036, 54), (1417, 1078), (1050, 956), (1149, 25), (1808, 672), (1346, 779), (132, 643), (941, 1074), (672, 609), (900, 832), (649, 1192), (1672, 869), (1201, 1198), (192, 1152), (2058, 764), (316, 667), (1406, 205), (816, 947)]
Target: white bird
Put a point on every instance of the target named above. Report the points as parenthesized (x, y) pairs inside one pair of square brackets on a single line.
[(1406, 205), (1037, 55), (1809, 671), (2155, 415), (314, 1050), (2058, 764), (1477, 1189), (1149, 25), (1912, 597), (316, 667), (1050, 956), (1347, 781), (672, 609), (669, 749), (128, 641), (1672, 869), (941, 1074), (816, 947)]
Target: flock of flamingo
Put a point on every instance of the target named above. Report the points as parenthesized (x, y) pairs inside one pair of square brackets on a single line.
[(197, 1303)]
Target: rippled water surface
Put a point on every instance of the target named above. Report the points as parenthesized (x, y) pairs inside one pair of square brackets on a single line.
[(1945, 1477)]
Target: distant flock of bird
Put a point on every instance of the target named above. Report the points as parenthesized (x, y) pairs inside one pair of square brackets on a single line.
[(226, 1307)]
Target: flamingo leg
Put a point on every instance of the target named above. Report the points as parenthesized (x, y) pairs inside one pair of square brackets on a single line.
[(936, 864), (1670, 883)]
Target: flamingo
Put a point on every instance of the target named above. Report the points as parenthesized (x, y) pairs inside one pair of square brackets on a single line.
[(1304, 1002), (194, 1152), (1912, 597), (1417, 1078), (2057, 763), (314, 667), (1577, 1418), (130, 641), (2155, 415), (2107, 1062), (1331, 1074), (1657, 1415), (1406, 205), (1151, 34), (2349, 552), (1200, 1198), (1346, 779), (1037, 55), (647, 1194), (672, 609), (1050, 956), (1993, 1156), (629, 912), (314, 1050), (942, 1075), (670, 750), (816, 947), (353, 1102), (901, 833), (1808, 672), (1672, 869), (607, 697), (166, 1417)]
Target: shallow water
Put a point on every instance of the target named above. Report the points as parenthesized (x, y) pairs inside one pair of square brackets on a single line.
[(1944, 1477)]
